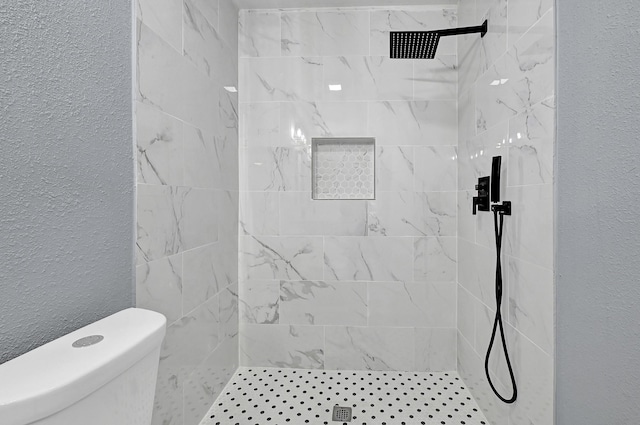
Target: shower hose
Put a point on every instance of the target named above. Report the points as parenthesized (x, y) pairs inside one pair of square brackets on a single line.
[(498, 221)]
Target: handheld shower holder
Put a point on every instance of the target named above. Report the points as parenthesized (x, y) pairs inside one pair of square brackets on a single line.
[(503, 209)]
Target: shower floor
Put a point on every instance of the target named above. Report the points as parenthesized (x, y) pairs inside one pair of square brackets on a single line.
[(260, 396)]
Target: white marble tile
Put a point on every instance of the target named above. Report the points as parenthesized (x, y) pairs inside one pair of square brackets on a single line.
[(208, 380), (386, 218), (466, 116), (323, 303), (367, 78), (228, 215), (535, 375), (159, 144), (531, 145), (281, 79), (523, 14), (367, 258), (368, 348), (471, 62), (525, 75), (419, 123), (412, 214), (202, 44), (496, 96), (208, 8), (291, 258), (325, 33), (159, 215), (171, 83), (466, 304), (435, 349), (302, 121), (433, 18), (436, 79), (528, 232), (435, 259), (199, 225), (278, 169), (159, 286), (260, 302), (400, 304), (476, 270), (168, 402), (190, 339), (260, 213), (227, 71), (202, 158), (302, 215), (203, 274), (466, 220), (260, 124), (531, 301), (436, 168), (259, 33), (475, 156), (227, 140), (436, 213), (394, 168), (164, 17), (471, 369), (282, 346), (228, 14), (532, 62), (159, 71), (229, 312), (199, 98), (494, 43)]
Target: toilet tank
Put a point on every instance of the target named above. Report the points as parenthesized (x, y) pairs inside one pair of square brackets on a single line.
[(102, 374)]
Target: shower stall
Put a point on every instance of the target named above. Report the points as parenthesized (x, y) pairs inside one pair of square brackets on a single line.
[(305, 210)]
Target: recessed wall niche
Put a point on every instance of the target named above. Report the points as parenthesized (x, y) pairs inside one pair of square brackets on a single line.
[(343, 168)]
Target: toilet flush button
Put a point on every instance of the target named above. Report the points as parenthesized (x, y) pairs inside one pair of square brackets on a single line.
[(87, 341)]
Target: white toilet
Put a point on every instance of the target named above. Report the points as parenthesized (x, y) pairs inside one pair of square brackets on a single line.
[(102, 374)]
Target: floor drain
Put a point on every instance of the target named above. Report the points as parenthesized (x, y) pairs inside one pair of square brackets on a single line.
[(341, 414)]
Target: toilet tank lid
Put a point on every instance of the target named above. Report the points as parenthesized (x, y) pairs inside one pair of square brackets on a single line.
[(56, 375)]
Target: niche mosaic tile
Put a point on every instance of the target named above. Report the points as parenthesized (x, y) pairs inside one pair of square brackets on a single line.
[(257, 396), (343, 168)]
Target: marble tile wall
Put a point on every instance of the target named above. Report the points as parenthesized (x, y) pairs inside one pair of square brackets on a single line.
[(347, 284), (506, 97), (187, 198)]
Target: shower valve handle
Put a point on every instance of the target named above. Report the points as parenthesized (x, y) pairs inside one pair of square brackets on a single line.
[(481, 202)]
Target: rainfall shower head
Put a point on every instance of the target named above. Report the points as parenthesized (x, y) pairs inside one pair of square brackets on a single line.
[(423, 44)]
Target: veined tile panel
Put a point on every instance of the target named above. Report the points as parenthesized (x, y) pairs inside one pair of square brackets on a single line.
[(282, 346), (323, 303), (506, 96), (322, 282), (187, 197), (291, 257), (369, 348), (324, 33)]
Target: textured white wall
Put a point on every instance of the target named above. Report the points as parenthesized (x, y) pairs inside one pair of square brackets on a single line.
[(66, 176), (598, 193)]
